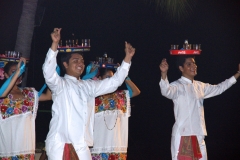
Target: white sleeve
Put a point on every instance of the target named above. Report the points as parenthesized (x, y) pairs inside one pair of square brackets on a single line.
[(214, 90), (109, 85), (49, 70), (167, 90)]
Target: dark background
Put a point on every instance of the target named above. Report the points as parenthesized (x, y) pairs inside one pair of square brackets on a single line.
[(214, 24)]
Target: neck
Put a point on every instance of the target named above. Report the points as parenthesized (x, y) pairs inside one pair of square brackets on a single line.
[(15, 87), (77, 77)]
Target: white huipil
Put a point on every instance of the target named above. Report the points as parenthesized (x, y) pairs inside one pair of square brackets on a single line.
[(188, 99), (111, 129), (73, 102), (17, 132)]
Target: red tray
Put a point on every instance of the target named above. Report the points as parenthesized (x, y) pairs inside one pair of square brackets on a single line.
[(185, 52)]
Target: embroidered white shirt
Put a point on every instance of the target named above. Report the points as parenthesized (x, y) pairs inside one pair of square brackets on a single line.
[(73, 102)]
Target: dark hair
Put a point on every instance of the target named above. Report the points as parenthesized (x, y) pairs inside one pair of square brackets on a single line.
[(182, 59), (103, 71), (65, 58), (8, 66)]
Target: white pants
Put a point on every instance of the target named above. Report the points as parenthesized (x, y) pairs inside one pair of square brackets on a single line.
[(175, 142), (55, 151)]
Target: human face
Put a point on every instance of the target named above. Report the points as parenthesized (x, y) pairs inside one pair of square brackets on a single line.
[(12, 69), (108, 74), (189, 69), (75, 66)]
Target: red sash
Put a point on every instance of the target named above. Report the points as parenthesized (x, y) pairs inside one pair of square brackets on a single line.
[(69, 153), (189, 148)]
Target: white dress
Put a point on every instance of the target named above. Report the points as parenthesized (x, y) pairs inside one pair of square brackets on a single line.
[(17, 125), (111, 126)]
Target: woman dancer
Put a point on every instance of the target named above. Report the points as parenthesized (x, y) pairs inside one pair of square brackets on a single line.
[(17, 117), (111, 121)]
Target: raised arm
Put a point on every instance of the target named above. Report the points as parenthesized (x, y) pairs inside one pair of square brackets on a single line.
[(214, 90), (13, 79), (167, 90), (49, 67), (238, 72), (109, 85)]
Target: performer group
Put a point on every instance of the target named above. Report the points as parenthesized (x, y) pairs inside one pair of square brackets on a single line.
[(90, 115)]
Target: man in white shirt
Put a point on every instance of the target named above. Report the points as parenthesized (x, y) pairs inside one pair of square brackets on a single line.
[(188, 95), (73, 100)]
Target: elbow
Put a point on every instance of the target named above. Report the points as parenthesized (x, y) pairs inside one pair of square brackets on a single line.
[(136, 93)]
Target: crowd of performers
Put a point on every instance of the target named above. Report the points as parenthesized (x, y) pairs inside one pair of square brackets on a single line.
[(90, 116)]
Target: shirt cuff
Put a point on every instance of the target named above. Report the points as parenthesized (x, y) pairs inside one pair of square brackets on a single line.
[(51, 53), (164, 81), (232, 80), (126, 65)]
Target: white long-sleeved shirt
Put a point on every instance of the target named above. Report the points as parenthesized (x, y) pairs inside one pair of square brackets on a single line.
[(188, 99), (73, 102)]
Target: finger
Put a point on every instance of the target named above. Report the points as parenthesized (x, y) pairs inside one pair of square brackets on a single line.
[(59, 30)]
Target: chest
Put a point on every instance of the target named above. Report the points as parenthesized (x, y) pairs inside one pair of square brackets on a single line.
[(17, 104), (191, 91)]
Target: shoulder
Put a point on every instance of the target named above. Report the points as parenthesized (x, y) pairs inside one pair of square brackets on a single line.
[(176, 82)]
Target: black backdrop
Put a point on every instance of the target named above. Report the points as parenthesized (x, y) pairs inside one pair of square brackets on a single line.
[(214, 24)]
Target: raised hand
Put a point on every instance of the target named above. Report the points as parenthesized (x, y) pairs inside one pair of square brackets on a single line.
[(130, 51), (163, 66), (19, 65), (56, 36)]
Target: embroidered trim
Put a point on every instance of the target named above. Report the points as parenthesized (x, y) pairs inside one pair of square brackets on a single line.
[(108, 149), (10, 107), (109, 156), (119, 100), (19, 157)]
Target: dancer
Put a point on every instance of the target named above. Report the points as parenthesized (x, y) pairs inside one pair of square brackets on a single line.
[(73, 100), (111, 120), (17, 117), (188, 95)]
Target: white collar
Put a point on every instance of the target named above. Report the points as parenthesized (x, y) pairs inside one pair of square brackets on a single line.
[(70, 77), (186, 79)]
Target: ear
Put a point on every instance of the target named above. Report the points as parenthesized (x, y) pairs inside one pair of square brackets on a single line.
[(65, 65), (6, 75), (100, 78), (180, 68)]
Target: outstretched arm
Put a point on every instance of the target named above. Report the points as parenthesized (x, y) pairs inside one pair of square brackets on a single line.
[(238, 72), (13, 79), (214, 90)]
